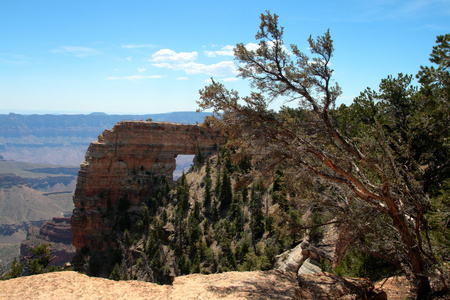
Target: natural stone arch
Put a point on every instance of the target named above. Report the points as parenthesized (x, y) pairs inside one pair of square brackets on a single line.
[(129, 161)]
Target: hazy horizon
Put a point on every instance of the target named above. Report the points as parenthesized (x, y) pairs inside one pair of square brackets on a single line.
[(140, 56)]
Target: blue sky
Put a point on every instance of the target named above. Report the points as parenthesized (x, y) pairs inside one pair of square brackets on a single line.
[(142, 57)]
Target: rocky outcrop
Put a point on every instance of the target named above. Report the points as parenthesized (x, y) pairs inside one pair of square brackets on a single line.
[(10, 180), (56, 232), (125, 166), (305, 258), (328, 286)]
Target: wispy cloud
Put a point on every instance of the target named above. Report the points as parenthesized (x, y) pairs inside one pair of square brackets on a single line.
[(168, 55), (140, 69), (231, 79), (128, 58), (182, 78), (77, 51), (13, 59), (221, 69), (225, 51), (130, 46), (135, 77), (184, 61)]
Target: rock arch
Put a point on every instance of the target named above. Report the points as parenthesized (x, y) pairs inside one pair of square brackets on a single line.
[(129, 161)]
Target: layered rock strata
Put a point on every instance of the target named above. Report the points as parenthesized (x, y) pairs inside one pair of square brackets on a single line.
[(56, 232), (125, 166)]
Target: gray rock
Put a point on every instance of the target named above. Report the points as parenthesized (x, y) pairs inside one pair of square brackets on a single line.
[(309, 266), (290, 260)]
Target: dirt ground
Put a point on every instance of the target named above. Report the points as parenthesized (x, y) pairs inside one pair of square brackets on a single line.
[(230, 285)]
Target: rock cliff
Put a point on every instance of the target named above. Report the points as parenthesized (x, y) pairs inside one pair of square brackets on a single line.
[(125, 166), (56, 232)]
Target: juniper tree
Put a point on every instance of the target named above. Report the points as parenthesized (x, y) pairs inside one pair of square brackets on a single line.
[(369, 173)]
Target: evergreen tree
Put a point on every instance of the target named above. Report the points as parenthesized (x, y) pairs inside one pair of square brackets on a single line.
[(218, 182), (278, 191), (377, 165), (40, 258), (226, 193), (115, 274), (199, 155), (183, 192), (208, 183), (256, 208)]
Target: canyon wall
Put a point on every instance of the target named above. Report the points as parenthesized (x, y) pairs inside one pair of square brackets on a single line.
[(125, 166), (56, 232)]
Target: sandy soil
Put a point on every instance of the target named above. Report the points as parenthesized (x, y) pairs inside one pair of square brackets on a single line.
[(231, 285)]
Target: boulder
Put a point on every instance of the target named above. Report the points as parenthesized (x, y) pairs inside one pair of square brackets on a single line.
[(328, 286), (309, 266)]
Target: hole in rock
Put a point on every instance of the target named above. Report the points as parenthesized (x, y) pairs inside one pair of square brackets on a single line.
[(184, 162)]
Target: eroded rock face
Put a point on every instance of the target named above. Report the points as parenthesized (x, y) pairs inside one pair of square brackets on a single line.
[(124, 166), (56, 232)]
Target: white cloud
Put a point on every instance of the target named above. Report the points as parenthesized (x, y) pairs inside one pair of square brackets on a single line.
[(129, 58), (231, 79), (182, 78), (221, 69), (135, 77), (168, 55), (137, 46), (77, 51), (252, 46), (225, 51), (140, 69)]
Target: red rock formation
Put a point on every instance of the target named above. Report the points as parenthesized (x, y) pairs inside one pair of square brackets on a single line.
[(127, 163), (56, 232)]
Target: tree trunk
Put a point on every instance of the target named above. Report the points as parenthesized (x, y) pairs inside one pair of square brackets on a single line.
[(419, 277)]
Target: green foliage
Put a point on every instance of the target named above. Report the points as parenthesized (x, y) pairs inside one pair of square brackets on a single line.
[(256, 208), (115, 274), (363, 265), (167, 187), (225, 191), (16, 270), (208, 185), (40, 258), (199, 155), (439, 224), (182, 193), (383, 156), (278, 191), (36, 263), (127, 238)]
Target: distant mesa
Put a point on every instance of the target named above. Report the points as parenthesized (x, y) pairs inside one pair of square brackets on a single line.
[(64, 139)]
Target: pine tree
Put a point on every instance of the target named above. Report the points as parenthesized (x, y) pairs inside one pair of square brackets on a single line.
[(115, 274), (183, 192), (226, 193), (208, 182), (256, 208)]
